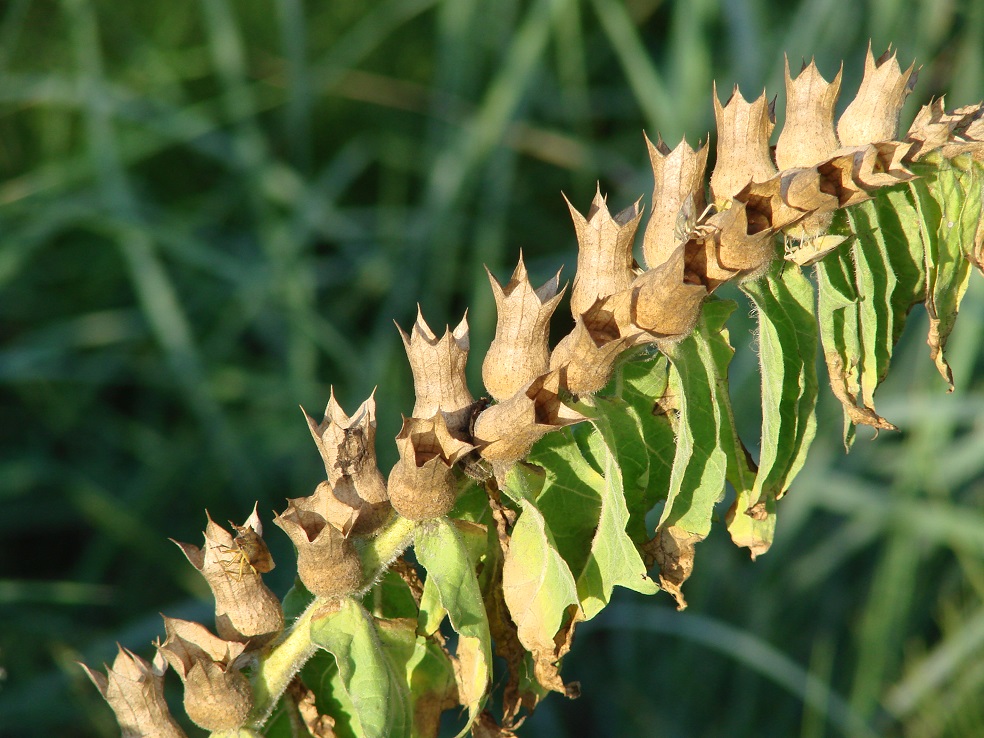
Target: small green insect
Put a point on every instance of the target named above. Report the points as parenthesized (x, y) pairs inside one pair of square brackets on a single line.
[(812, 250), (689, 226)]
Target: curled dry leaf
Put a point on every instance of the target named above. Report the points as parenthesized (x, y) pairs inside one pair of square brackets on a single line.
[(245, 608), (519, 352), (935, 127), (303, 700), (217, 695), (134, 689), (506, 431), (969, 136), (673, 551), (678, 195), (422, 483), (438, 367), (604, 256), (348, 448), (318, 525)]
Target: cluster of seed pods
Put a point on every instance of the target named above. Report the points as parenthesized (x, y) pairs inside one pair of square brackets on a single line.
[(690, 247)]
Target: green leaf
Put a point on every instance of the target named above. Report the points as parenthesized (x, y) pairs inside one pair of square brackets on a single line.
[(370, 678), (537, 586), (442, 551), (427, 671), (787, 331), (949, 202), (888, 279), (569, 498), (641, 385), (614, 558), (864, 300), (700, 464), (646, 442), (390, 598)]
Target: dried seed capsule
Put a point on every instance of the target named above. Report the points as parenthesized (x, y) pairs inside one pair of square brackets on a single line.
[(438, 367), (245, 608), (604, 256), (519, 352), (678, 192), (422, 483), (319, 525), (348, 448), (217, 694), (134, 689), (507, 430)]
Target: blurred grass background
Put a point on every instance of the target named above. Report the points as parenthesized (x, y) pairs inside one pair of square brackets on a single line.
[(212, 211)]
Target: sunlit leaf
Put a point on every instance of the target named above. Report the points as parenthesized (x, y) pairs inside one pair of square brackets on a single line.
[(442, 551), (370, 677)]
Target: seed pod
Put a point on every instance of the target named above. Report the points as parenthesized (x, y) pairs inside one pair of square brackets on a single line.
[(245, 608), (604, 257), (507, 430), (743, 153), (422, 483), (659, 304), (808, 135), (217, 694), (678, 196), (134, 689), (873, 114), (348, 448), (319, 525), (519, 352), (586, 356), (438, 367)]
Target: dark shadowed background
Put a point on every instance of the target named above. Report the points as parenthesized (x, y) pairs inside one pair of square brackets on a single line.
[(213, 210)]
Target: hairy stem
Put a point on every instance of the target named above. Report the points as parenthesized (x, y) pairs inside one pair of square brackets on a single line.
[(279, 665), (381, 550)]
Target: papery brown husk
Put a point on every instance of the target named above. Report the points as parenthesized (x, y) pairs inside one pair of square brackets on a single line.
[(348, 448), (438, 367), (246, 610), (134, 689), (678, 194), (808, 136), (520, 351), (743, 153), (873, 114), (217, 695), (422, 483), (506, 431), (586, 356), (659, 304), (318, 525), (604, 256)]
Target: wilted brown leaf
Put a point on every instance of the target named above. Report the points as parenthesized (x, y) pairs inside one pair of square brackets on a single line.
[(673, 551)]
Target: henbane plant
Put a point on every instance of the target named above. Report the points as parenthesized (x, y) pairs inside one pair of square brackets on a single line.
[(510, 519)]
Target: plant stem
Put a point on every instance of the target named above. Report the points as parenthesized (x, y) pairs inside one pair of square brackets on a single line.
[(279, 665), (379, 551)]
